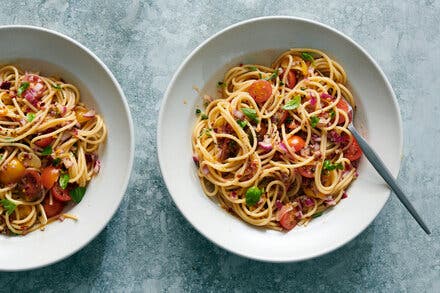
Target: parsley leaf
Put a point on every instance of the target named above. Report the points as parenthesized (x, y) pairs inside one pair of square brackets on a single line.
[(22, 88), (250, 113), (77, 194), (253, 195), (332, 113), (30, 117), (273, 75), (242, 123), (314, 121), (56, 162), (251, 68), (204, 116), (307, 57), (221, 84), (329, 166), (64, 180), (198, 111), (8, 205), (56, 86), (47, 151), (293, 103)]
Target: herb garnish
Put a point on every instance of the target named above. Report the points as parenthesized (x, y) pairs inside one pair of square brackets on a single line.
[(242, 123), (8, 205), (77, 194), (307, 57), (293, 103), (314, 121), (250, 113), (329, 166), (251, 68), (22, 88), (273, 75), (30, 117), (64, 180), (47, 151)]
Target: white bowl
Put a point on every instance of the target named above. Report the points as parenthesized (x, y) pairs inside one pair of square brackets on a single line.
[(50, 52), (260, 41)]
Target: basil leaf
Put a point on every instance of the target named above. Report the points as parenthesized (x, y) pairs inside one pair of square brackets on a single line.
[(307, 57), (47, 151), (8, 205), (56, 162), (30, 117), (314, 121), (77, 194), (332, 113), (56, 86), (251, 68), (293, 103), (242, 123), (317, 215), (253, 195), (273, 75), (339, 166), (22, 88), (250, 113), (64, 180)]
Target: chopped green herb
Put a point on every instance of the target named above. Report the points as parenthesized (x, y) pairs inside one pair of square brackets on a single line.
[(307, 57), (317, 215), (251, 68), (303, 88), (1, 157), (64, 180), (332, 113), (293, 103), (56, 86), (8, 205), (30, 117), (329, 166), (56, 162), (253, 195), (22, 88), (47, 151), (281, 83), (242, 123), (204, 116), (259, 75), (314, 121), (221, 84), (250, 113), (273, 75), (77, 194), (198, 111)]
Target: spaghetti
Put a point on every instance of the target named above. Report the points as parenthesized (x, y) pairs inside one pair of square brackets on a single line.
[(275, 150), (48, 149)]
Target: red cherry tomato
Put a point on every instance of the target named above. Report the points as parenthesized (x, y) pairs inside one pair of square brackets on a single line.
[(260, 90), (60, 194), (30, 185), (307, 171), (342, 105), (354, 151), (291, 79), (288, 221), (52, 209), (296, 142), (44, 142), (49, 176)]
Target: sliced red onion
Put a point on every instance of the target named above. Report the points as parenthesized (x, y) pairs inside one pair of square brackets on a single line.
[(266, 144), (282, 147), (90, 114), (344, 195), (205, 170), (75, 131), (326, 96), (278, 204), (31, 96), (38, 87), (308, 202), (196, 159), (330, 202), (313, 101), (234, 194), (300, 207), (299, 215), (97, 166), (238, 114), (305, 152), (333, 136), (66, 135)]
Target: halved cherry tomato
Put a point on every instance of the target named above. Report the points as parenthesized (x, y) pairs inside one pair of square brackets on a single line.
[(60, 194), (307, 171), (49, 176), (279, 117), (342, 105), (296, 142), (44, 142), (30, 185), (260, 90), (288, 220), (52, 209), (291, 79), (354, 151), (12, 171)]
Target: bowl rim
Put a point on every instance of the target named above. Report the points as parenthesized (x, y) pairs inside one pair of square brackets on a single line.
[(126, 108), (276, 18)]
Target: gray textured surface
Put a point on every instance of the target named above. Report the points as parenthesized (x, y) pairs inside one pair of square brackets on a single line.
[(148, 246)]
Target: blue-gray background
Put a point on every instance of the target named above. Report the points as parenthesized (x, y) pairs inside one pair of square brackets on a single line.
[(149, 246)]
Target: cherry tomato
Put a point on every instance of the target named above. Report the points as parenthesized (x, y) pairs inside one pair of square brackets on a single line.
[(49, 176), (342, 105), (307, 171), (260, 90), (52, 209), (279, 117), (79, 113), (354, 151), (44, 142), (296, 142), (60, 194), (288, 221), (291, 79), (30, 185), (12, 171)]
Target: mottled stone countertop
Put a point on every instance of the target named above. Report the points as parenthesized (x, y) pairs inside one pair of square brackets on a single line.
[(149, 246)]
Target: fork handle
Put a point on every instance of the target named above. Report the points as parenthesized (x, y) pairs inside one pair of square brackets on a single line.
[(386, 175)]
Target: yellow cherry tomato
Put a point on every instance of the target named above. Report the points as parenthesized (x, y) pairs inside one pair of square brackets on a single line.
[(12, 171)]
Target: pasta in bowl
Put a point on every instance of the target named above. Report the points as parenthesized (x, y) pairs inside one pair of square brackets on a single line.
[(274, 148)]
